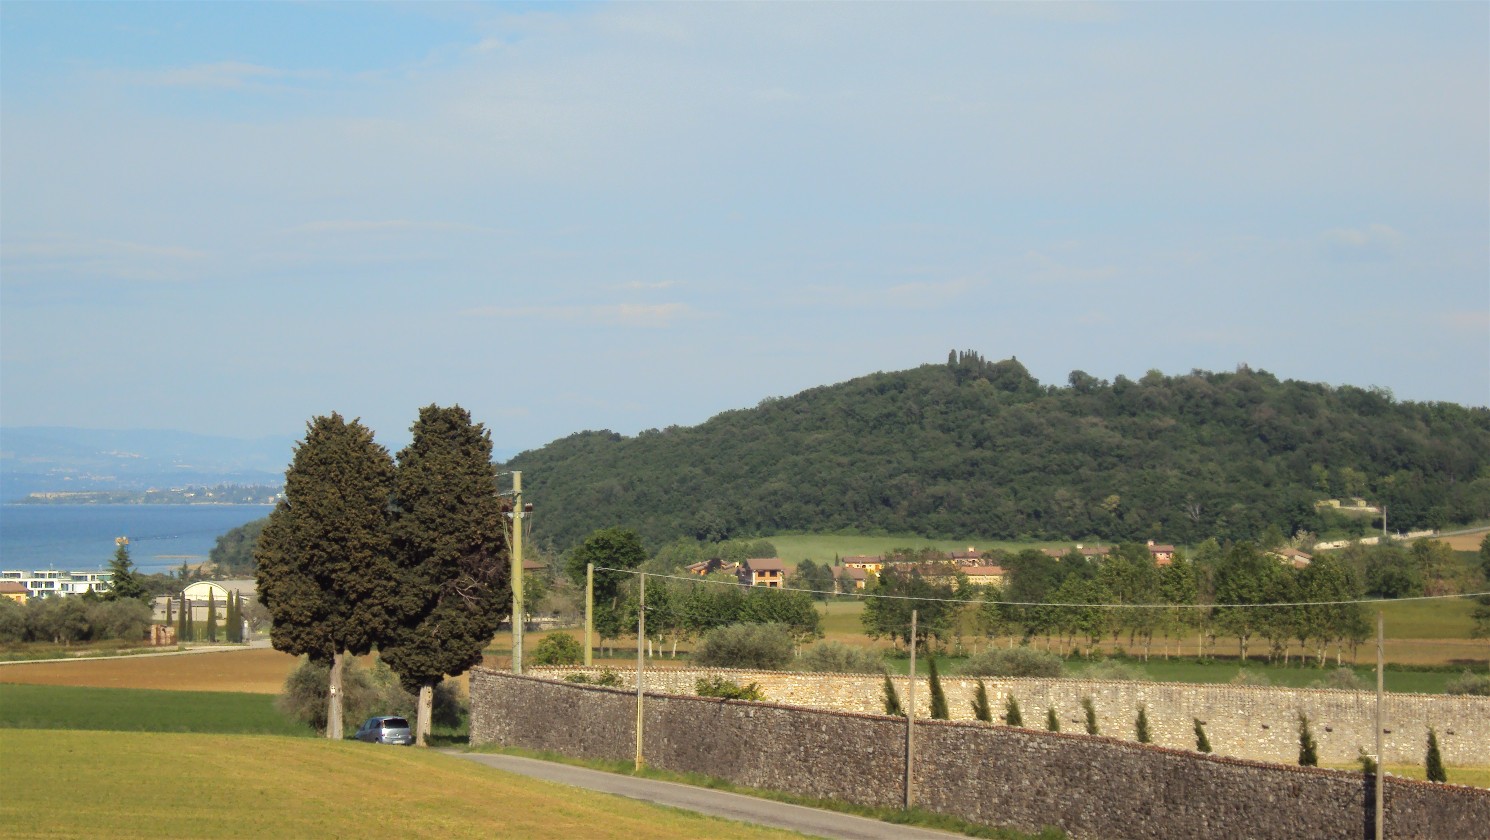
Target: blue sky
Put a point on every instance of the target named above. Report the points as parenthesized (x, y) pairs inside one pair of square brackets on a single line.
[(227, 218)]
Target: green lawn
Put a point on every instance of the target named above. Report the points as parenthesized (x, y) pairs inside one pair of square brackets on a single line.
[(820, 548), (156, 785), (142, 710)]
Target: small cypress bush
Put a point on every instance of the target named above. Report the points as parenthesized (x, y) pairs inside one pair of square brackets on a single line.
[(892, 700), (1012, 716), (1052, 722), (1202, 743), (1091, 715), (1436, 772), (981, 711), (1308, 750), (559, 649), (720, 687), (938, 696), (1143, 725), (1368, 764)]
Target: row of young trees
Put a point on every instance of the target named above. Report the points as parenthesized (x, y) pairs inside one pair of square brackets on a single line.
[(1238, 591), (408, 557)]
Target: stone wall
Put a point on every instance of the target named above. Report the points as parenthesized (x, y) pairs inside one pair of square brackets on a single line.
[(1091, 786), (1256, 722)]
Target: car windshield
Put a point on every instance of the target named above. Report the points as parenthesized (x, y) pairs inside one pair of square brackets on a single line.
[(395, 723)]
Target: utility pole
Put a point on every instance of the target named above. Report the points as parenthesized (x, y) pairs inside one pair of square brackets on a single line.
[(517, 572), (589, 611), (910, 725), (1381, 760), (641, 633)]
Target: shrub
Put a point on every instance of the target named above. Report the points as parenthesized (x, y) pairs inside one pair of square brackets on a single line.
[(892, 699), (1013, 662), (981, 710), (1091, 715), (721, 687), (1436, 772), (765, 647), (1308, 750), (1342, 678), (1012, 716), (1112, 670), (1469, 683), (12, 622), (1246, 677), (938, 696), (839, 658), (606, 677), (1052, 722), (1202, 743), (559, 649), (1368, 764), (126, 618), (1142, 726)]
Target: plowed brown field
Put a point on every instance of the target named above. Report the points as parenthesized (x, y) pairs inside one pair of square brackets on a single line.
[(258, 671)]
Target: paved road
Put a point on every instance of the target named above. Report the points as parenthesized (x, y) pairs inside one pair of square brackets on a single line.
[(732, 806)]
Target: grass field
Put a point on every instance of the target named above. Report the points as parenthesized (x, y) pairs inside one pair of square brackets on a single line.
[(129, 785), (143, 710), (794, 548)]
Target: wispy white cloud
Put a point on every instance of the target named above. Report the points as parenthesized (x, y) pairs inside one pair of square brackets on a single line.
[(620, 314), (643, 285), (384, 226), (1372, 242), (1041, 269), (99, 259)]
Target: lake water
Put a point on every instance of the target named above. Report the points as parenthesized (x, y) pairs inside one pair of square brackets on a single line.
[(81, 537)]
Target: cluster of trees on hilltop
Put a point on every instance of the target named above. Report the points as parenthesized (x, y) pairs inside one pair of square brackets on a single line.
[(974, 447)]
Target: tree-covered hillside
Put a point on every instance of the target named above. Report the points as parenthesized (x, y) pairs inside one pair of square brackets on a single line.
[(979, 448)]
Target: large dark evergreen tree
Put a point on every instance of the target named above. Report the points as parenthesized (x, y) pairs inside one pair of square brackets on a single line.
[(325, 568), (123, 582), (452, 551)]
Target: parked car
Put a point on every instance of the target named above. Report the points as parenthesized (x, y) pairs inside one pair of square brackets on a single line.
[(386, 729)]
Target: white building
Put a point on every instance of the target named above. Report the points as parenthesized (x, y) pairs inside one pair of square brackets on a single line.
[(50, 582)]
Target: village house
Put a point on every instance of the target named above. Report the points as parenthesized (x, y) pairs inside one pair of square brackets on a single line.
[(1292, 557), (869, 563), (850, 578), (13, 590), (763, 571)]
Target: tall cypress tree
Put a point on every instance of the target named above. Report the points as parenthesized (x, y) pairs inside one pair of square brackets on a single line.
[(230, 624), (892, 699), (981, 709), (181, 619), (1202, 743), (1012, 715), (452, 551), (1142, 726), (325, 567), (1052, 722), (938, 696), (1308, 750), (1436, 773), (1091, 715), (211, 615)]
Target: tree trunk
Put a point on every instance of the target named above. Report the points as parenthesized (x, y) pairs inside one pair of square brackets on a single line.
[(333, 699), (424, 713)]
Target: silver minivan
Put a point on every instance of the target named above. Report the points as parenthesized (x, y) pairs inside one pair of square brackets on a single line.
[(386, 729)]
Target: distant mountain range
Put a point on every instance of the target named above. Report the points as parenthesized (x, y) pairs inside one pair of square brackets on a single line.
[(56, 459)]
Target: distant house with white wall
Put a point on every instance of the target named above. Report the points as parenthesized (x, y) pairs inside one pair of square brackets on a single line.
[(48, 583)]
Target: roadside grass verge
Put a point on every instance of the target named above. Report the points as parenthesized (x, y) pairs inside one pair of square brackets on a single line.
[(142, 710), (917, 817), (153, 785)]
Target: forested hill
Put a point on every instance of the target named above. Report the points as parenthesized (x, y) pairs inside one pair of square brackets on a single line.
[(976, 448)]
